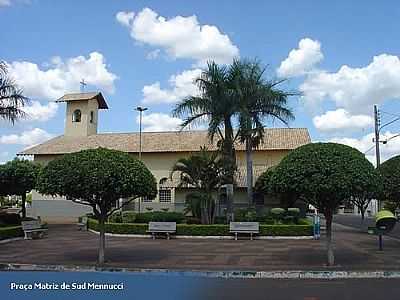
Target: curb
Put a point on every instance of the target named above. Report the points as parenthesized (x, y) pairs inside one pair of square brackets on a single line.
[(11, 240), (296, 274), (213, 237)]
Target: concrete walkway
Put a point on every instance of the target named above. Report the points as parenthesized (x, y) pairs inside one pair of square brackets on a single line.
[(65, 245)]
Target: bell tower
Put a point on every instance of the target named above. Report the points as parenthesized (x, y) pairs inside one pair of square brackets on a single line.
[(82, 113)]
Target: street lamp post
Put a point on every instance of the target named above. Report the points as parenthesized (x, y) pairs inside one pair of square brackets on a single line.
[(140, 110)]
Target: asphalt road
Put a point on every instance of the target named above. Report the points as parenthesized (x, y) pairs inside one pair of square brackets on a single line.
[(355, 222), (155, 287), (278, 289)]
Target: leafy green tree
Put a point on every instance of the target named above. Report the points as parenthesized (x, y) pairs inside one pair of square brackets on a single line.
[(18, 177), (11, 98), (98, 178), (204, 173), (264, 185), (257, 100), (324, 174), (390, 174), (215, 106)]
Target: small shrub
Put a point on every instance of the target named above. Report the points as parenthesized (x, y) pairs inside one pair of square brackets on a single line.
[(10, 232), (193, 220), (116, 217), (9, 219), (293, 214), (159, 216), (245, 215), (278, 214), (202, 230), (128, 216), (220, 220)]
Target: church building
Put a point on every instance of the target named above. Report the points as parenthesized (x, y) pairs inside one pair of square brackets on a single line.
[(160, 151)]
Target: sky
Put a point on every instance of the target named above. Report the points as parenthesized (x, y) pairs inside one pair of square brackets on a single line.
[(342, 56)]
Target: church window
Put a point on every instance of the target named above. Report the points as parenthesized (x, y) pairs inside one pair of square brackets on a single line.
[(76, 116), (91, 116)]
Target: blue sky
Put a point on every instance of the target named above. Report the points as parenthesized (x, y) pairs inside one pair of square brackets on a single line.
[(343, 57)]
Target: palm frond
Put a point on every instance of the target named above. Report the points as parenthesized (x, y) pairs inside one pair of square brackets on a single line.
[(12, 99)]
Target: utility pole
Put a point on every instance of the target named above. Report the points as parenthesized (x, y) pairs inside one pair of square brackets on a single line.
[(377, 121), (140, 110), (377, 141)]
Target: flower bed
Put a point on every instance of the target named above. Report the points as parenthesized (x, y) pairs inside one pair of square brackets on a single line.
[(205, 230), (10, 232)]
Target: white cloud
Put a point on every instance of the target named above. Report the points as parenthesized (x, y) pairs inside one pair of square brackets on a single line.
[(301, 60), (62, 76), (28, 138), (125, 17), (180, 37), (365, 144), (181, 85), (5, 3), (153, 54), (356, 89), (38, 112), (159, 122), (341, 120)]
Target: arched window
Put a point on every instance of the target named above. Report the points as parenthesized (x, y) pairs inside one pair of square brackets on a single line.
[(76, 116)]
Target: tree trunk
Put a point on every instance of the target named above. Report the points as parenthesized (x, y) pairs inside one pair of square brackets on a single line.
[(23, 205), (102, 244), (331, 257), (249, 171), (362, 211), (230, 161), (229, 202)]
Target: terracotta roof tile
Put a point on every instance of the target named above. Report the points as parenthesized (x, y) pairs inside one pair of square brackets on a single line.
[(184, 141)]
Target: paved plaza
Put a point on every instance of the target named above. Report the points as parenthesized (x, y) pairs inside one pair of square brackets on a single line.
[(65, 245)]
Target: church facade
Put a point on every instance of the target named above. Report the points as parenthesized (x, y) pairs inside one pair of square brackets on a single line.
[(160, 151)]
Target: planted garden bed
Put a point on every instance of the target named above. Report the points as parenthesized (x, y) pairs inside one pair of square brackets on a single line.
[(305, 229), (9, 232)]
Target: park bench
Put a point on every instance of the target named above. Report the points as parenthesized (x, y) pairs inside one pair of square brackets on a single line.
[(244, 227), (33, 229), (82, 223), (162, 227)]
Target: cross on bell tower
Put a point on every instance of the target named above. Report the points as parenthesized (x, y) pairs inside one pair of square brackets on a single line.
[(83, 84)]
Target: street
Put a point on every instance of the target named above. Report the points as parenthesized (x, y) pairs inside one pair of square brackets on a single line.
[(355, 222), (147, 286)]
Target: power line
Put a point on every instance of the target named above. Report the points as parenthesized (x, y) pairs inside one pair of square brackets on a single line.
[(369, 149), (388, 113)]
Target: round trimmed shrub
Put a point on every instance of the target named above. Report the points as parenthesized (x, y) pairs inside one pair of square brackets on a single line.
[(128, 216)]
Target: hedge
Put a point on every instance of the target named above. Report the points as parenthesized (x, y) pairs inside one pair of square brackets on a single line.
[(10, 232), (203, 230)]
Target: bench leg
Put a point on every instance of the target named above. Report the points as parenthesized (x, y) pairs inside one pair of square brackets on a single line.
[(25, 236), (153, 235), (236, 236), (167, 235), (251, 236)]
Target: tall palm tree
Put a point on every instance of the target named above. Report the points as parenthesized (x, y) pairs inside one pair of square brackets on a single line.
[(256, 100), (204, 173), (214, 105), (11, 97)]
